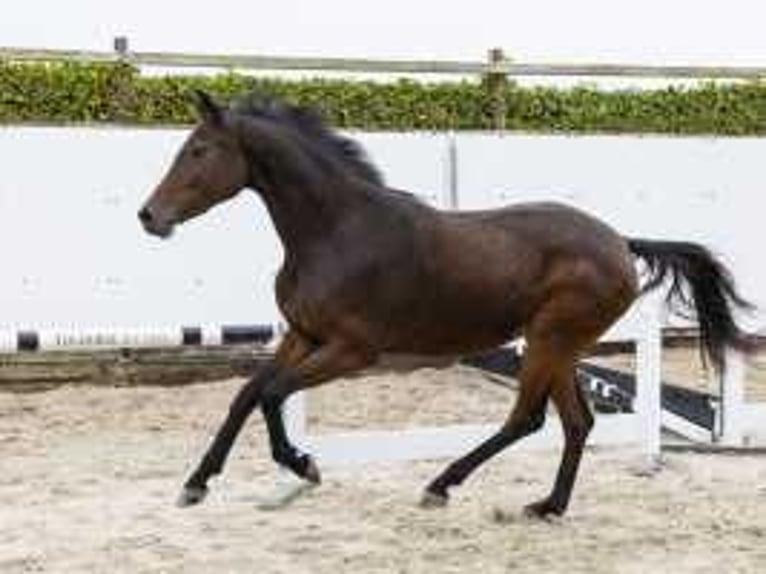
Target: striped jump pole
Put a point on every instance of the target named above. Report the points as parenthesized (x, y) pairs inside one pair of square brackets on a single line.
[(72, 339)]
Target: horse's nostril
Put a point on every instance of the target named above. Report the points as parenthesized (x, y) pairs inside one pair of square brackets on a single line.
[(145, 215)]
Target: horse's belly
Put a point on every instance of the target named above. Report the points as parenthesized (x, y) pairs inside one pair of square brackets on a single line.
[(447, 336)]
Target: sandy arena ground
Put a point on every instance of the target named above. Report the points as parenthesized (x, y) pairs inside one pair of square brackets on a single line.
[(89, 477)]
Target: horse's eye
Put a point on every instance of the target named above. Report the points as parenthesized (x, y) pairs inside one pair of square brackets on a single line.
[(198, 151)]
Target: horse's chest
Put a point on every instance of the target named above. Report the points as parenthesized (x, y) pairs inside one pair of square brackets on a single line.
[(331, 293)]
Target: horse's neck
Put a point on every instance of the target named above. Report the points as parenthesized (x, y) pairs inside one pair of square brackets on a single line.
[(299, 219), (303, 197)]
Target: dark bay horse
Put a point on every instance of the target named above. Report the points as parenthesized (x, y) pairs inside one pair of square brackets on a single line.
[(370, 272)]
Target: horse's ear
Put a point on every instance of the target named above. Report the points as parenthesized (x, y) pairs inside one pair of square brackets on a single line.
[(208, 109)]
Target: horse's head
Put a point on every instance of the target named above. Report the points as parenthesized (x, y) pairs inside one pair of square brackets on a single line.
[(210, 168)]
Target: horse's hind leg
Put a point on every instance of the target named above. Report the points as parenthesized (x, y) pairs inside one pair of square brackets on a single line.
[(577, 422), (528, 416)]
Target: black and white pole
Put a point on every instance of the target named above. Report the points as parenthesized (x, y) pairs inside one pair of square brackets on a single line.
[(13, 341)]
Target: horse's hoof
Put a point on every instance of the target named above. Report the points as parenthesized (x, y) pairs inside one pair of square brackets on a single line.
[(543, 510), (191, 495), (433, 500), (312, 472)]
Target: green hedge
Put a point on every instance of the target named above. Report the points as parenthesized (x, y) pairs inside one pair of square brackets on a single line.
[(75, 93)]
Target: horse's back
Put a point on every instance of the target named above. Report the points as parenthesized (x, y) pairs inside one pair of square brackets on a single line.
[(546, 229), (545, 222)]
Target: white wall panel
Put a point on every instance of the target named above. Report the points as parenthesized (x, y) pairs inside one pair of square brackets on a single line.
[(74, 252)]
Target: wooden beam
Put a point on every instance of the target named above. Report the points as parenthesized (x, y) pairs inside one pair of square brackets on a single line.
[(387, 66)]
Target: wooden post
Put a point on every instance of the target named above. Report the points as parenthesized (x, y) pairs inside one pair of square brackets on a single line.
[(121, 46), (452, 199), (121, 81), (649, 377), (497, 82), (732, 400)]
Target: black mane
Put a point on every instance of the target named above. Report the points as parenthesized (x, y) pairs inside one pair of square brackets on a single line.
[(308, 122)]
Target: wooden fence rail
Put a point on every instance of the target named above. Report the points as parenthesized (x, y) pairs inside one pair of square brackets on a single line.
[(496, 63)]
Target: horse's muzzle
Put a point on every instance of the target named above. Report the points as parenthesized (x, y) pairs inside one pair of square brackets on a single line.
[(154, 225)]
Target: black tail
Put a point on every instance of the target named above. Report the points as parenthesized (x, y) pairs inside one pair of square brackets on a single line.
[(692, 268)]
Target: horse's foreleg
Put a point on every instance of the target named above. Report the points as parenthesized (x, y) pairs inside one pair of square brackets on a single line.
[(327, 362), (292, 349), (577, 422), (283, 451)]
